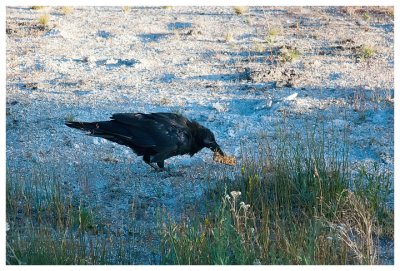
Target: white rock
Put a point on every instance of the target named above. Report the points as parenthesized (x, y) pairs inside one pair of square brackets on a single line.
[(291, 97), (111, 61), (219, 107), (211, 117)]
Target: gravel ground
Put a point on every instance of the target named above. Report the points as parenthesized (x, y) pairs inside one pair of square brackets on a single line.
[(207, 63)]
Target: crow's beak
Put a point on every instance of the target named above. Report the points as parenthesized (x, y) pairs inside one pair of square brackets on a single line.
[(216, 148)]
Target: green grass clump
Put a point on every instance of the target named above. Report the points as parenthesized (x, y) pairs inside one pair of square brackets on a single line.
[(366, 16), (288, 55), (274, 31), (294, 203), (366, 52), (214, 240), (270, 39), (44, 19)]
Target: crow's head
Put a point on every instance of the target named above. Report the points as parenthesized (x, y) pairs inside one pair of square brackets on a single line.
[(208, 140)]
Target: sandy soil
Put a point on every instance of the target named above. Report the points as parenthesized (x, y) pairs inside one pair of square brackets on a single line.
[(207, 63)]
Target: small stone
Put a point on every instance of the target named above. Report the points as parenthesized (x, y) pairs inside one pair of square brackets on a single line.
[(281, 83), (211, 117), (219, 107), (291, 97), (111, 61)]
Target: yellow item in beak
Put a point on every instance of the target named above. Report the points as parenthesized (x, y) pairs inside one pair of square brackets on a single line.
[(224, 159)]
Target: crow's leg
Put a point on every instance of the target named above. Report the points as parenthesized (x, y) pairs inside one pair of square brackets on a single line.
[(159, 159), (146, 159), (160, 164), (156, 168)]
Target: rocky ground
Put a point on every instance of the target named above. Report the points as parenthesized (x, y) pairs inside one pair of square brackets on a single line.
[(241, 75)]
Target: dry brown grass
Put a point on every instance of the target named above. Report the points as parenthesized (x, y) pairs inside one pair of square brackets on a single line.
[(37, 7), (66, 10), (239, 10), (229, 37), (44, 19), (126, 9), (355, 228)]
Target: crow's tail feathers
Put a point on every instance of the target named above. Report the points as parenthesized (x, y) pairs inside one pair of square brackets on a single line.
[(85, 126)]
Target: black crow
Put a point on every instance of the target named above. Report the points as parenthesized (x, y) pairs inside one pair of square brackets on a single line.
[(155, 136)]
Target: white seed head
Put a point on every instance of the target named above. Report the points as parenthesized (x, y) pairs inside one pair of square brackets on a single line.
[(235, 194)]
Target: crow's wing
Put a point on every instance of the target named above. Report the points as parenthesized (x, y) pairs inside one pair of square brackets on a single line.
[(123, 134), (169, 119), (159, 131)]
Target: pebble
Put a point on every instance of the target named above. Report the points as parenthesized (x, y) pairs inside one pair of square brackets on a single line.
[(219, 107), (291, 97)]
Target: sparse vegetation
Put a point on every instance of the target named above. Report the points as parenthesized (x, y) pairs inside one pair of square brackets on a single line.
[(274, 31), (44, 19), (359, 104), (270, 39), (229, 37), (366, 52), (350, 10), (126, 9), (177, 34), (66, 10), (295, 203), (258, 47), (37, 7), (288, 55), (248, 20), (49, 226), (390, 12), (367, 13), (366, 16), (240, 10)]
